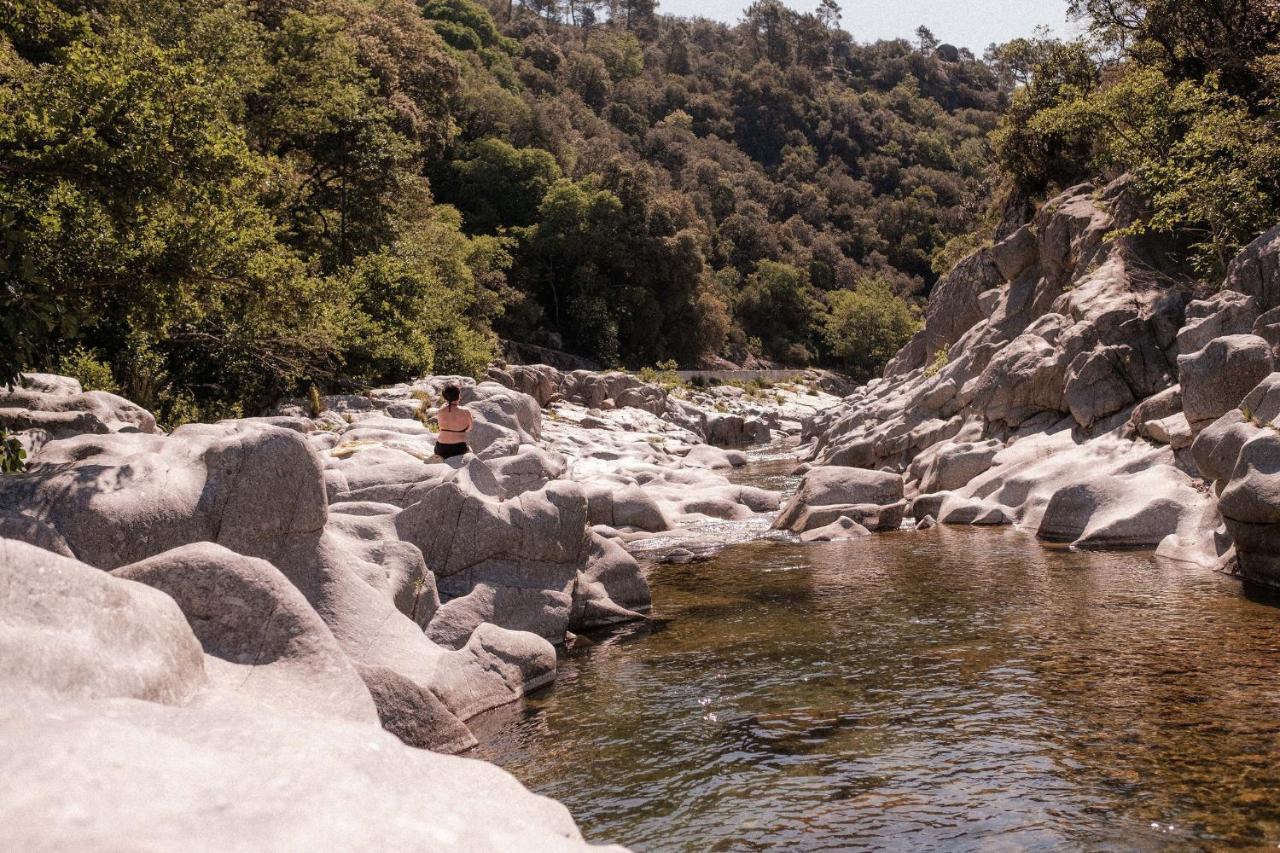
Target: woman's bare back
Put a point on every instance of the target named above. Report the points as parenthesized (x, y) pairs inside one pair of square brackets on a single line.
[(455, 422)]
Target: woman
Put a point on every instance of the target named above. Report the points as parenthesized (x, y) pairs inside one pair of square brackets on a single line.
[(455, 422)]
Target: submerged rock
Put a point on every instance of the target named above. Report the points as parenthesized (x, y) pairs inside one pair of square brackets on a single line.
[(841, 529)]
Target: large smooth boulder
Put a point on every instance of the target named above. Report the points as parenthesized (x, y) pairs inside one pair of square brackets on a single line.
[(1267, 327), (263, 641), (129, 775), (1252, 493), (544, 612), (874, 517), (56, 403), (539, 381), (1240, 452), (1174, 431), (1136, 510), (950, 465), (956, 509), (535, 542), (258, 490), (624, 506), (33, 531), (1255, 271), (71, 631), (1216, 378), (491, 403), (954, 305), (833, 485), (1227, 312), (120, 498)]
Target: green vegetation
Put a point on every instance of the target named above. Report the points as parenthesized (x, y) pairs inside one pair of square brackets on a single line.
[(1182, 95), (209, 204), (940, 359), (13, 457), (213, 203), (315, 403), (201, 193), (84, 366), (664, 374), (868, 325)]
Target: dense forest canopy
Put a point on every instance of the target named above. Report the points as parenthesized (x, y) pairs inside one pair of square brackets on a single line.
[(210, 203)]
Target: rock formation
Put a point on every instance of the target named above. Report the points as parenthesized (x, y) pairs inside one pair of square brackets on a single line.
[(140, 710), (1067, 381), (199, 613)]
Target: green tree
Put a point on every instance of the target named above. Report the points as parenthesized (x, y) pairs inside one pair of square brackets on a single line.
[(497, 185), (421, 304), (779, 306), (866, 327), (344, 164)]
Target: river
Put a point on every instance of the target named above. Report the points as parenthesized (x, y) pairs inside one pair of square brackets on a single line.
[(949, 689)]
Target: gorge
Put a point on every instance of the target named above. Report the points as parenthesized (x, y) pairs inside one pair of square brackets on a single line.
[(312, 590), (874, 444)]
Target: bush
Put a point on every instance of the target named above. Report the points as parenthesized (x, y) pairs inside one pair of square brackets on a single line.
[(940, 359), (421, 307), (664, 374), (13, 457), (93, 373)]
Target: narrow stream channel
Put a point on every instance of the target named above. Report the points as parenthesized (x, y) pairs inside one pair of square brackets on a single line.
[(950, 689)]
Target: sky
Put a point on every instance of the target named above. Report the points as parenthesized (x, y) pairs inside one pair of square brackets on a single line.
[(965, 23)]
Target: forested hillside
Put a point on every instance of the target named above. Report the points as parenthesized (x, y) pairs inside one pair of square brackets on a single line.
[(211, 203), (224, 201)]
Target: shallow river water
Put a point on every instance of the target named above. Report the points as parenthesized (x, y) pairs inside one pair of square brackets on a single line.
[(950, 689)]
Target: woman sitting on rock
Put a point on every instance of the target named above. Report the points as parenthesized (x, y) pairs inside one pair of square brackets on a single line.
[(455, 422)]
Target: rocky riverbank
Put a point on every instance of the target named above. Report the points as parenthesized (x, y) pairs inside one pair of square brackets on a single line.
[(216, 632), (1070, 382), (250, 633)]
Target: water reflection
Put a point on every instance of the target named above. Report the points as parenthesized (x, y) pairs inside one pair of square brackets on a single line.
[(950, 689)]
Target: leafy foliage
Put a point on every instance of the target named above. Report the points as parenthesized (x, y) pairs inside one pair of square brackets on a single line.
[(188, 186), (92, 373), (212, 203), (13, 456), (1182, 95), (868, 325), (694, 161)]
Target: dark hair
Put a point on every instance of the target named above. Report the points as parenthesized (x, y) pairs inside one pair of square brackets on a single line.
[(451, 394)]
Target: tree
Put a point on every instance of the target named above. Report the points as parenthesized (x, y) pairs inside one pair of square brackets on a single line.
[(779, 306), (320, 113), (1189, 39), (926, 40), (420, 305), (769, 23), (497, 185), (829, 13), (867, 326), (1035, 154)]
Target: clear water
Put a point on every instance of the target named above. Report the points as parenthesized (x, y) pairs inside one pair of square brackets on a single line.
[(952, 689)]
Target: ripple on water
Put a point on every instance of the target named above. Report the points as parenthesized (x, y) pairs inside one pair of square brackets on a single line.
[(953, 689)]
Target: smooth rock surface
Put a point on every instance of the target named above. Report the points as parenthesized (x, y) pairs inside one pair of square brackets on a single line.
[(261, 638)]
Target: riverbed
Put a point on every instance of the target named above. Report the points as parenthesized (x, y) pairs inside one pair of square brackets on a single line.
[(951, 689)]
